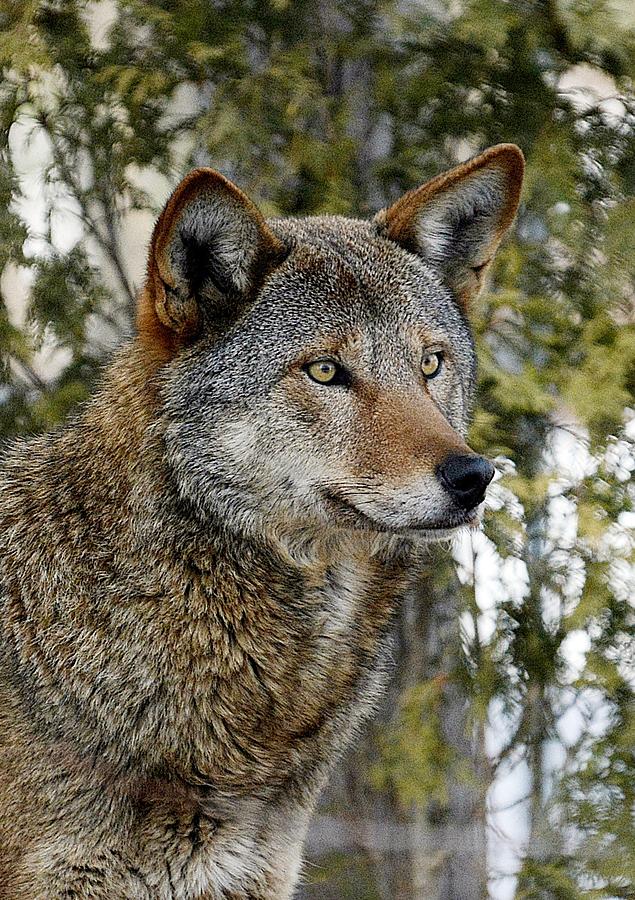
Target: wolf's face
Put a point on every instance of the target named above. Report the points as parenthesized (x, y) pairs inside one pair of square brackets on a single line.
[(321, 371)]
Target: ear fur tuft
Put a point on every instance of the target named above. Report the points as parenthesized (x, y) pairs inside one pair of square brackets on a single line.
[(457, 220), (210, 250)]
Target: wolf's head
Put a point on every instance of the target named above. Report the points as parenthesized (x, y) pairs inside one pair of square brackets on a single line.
[(319, 372)]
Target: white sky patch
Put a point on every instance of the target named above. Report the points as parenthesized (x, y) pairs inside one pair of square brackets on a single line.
[(509, 826), (30, 150), (622, 578), (479, 564), (563, 522), (43, 201), (100, 16), (567, 453), (514, 578), (574, 649), (571, 725)]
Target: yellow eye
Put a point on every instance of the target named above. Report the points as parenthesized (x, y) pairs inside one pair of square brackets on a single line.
[(431, 364), (322, 370)]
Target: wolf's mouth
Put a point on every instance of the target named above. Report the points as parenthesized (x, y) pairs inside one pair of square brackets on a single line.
[(357, 518)]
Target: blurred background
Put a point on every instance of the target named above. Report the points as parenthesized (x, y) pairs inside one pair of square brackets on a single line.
[(502, 761)]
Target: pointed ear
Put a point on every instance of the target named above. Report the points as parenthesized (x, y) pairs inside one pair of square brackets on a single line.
[(457, 220), (210, 251)]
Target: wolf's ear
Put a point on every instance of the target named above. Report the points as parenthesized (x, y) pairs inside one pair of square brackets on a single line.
[(210, 250), (457, 220)]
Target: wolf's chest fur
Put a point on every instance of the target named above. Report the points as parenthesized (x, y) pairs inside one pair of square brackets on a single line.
[(261, 666)]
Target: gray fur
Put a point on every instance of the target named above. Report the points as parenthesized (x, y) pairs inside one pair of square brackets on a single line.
[(340, 276)]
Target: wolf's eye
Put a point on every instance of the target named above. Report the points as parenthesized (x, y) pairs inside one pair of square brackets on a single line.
[(431, 364), (325, 371)]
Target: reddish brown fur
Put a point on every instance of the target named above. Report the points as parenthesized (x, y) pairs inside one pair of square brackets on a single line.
[(160, 327), (402, 432)]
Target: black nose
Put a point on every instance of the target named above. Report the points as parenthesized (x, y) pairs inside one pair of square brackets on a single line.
[(465, 478)]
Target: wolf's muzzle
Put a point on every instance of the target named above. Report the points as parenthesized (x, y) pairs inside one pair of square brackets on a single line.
[(465, 478)]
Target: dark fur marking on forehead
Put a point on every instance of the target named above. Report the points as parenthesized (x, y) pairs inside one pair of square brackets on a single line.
[(383, 269), (351, 240), (310, 256)]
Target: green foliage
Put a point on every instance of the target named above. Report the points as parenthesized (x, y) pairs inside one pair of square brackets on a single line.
[(333, 107), (354, 878), (414, 754)]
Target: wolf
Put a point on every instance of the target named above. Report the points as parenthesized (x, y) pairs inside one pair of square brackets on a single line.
[(198, 574)]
